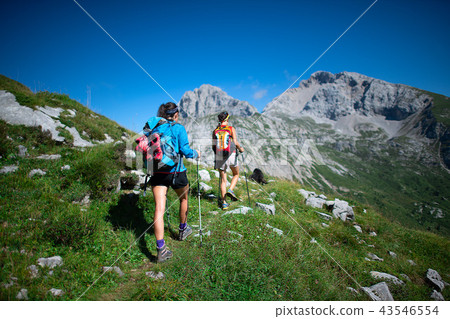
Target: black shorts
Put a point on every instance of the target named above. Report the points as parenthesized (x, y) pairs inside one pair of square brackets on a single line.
[(175, 181)]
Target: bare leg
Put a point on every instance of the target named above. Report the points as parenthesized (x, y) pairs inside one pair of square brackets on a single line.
[(159, 193), (182, 194), (223, 184), (235, 178)]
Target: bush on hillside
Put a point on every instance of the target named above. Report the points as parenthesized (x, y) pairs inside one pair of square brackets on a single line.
[(69, 229)]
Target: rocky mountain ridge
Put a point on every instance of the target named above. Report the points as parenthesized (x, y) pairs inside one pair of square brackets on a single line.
[(336, 130)]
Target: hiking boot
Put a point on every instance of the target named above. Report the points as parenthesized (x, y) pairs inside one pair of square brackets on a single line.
[(232, 195), (225, 206), (163, 254), (183, 234)]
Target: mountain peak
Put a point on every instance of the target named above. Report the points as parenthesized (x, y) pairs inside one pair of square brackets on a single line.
[(333, 96), (209, 99)]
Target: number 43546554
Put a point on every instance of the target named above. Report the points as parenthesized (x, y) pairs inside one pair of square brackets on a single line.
[(409, 310)]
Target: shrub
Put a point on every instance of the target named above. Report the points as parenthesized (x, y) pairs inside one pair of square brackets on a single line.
[(70, 228)]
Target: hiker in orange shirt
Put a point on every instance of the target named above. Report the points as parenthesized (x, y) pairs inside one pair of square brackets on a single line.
[(224, 146)]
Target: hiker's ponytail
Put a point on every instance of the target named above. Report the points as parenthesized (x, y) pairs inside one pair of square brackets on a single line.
[(222, 117), (167, 110)]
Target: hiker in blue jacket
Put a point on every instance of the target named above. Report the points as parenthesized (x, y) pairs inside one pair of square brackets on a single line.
[(174, 177)]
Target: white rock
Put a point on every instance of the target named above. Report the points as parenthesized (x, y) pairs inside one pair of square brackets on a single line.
[(36, 172), (49, 157), (33, 270), (9, 169), (16, 114), (204, 175), (65, 168), (22, 295), (269, 209), (23, 151), (304, 193), (292, 211), (434, 278), (56, 292), (278, 231), (315, 202), (217, 174), (50, 262), (77, 140), (50, 111), (373, 234), (72, 113), (342, 207), (242, 210), (322, 196), (374, 257), (388, 277), (154, 275), (437, 296), (358, 228), (130, 154), (411, 262), (273, 195), (379, 292), (205, 187), (325, 225), (108, 139), (392, 254), (313, 241), (213, 212)]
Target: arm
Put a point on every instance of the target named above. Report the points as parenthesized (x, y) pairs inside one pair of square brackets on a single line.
[(214, 142), (183, 141), (234, 137)]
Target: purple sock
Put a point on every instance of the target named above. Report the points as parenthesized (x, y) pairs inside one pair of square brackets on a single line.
[(160, 243), (183, 226)]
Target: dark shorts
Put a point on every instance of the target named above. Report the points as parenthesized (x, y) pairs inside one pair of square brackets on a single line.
[(169, 180)]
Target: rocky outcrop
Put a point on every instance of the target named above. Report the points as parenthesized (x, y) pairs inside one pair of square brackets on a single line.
[(47, 118), (435, 279)]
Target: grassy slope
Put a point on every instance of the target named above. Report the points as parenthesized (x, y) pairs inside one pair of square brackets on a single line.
[(38, 216), (95, 125), (39, 219)]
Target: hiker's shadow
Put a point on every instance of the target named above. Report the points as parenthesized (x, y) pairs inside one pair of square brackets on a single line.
[(127, 215)]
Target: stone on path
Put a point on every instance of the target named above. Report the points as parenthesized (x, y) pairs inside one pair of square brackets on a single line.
[(50, 262), (269, 209)]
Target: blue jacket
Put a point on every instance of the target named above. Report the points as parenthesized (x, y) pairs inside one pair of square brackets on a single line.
[(185, 150)]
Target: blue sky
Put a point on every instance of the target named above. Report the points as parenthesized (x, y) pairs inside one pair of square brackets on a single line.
[(253, 50)]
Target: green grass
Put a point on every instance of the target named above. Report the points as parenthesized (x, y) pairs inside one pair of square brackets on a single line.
[(38, 217), (391, 185)]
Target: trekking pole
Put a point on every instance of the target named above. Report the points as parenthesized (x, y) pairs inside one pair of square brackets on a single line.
[(246, 183), (199, 206)]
